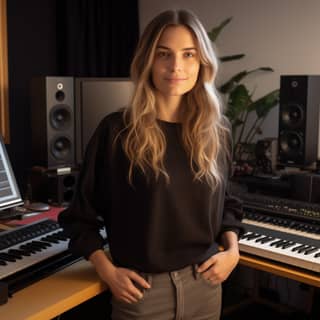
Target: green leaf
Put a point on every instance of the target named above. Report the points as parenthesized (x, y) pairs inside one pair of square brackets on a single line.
[(239, 99), (231, 58), (263, 105), (214, 33), (231, 83)]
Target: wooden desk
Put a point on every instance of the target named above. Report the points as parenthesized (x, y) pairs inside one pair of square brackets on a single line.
[(54, 295), (280, 269), (77, 283)]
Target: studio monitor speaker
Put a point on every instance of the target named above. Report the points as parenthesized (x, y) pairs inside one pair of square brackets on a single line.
[(52, 121), (50, 187), (298, 120)]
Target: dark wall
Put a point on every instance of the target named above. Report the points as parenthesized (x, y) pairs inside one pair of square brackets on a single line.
[(31, 51), (38, 45)]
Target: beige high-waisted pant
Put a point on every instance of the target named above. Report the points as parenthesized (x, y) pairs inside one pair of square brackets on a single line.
[(178, 295)]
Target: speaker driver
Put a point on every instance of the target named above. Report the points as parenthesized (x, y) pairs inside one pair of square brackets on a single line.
[(61, 148), (292, 115), (60, 117), (291, 143)]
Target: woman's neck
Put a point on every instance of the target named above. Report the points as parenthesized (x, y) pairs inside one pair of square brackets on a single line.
[(169, 109)]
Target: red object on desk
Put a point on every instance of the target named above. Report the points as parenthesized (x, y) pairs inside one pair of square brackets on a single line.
[(50, 214)]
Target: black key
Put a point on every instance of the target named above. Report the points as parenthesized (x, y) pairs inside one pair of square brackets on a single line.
[(260, 239), (3, 263), (275, 242), (14, 254), (30, 247), (311, 250), (21, 252), (280, 244), (7, 257), (267, 240), (304, 248), (288, 244), (298, 247), (253, 236)]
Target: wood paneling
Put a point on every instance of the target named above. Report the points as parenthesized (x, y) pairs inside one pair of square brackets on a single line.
[(4, 85)]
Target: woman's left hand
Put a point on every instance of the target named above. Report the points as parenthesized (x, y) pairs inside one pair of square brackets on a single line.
[(218, 267)]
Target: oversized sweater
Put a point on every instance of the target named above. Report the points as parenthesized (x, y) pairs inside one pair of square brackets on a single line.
[(152, 225)]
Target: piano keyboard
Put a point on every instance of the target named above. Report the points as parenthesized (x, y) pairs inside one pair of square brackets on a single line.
[(27, 245), (40, 247), (286, 247)]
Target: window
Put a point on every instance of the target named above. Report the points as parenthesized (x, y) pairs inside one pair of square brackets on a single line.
[(4, 107)]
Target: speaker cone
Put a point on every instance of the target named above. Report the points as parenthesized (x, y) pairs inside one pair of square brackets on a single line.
[(291, 143), (292, 115), (60, 117), (61, 147)]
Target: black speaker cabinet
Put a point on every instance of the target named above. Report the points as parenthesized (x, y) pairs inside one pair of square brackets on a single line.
[(298, 120), (50, 187), (52, 120)]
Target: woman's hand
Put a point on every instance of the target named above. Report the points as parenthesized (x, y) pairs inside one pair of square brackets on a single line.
[(119, 280), (121, 283), (218, 267)]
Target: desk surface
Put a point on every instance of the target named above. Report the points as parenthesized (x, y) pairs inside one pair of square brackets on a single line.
[(77, 283), (55, 294)]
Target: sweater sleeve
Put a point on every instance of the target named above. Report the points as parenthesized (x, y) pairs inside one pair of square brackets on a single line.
[(233, 211), (232, 215), (81, 220)]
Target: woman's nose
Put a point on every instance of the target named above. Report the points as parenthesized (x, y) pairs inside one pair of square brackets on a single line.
[(176, 64)]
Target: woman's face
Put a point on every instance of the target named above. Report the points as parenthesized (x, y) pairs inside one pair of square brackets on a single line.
[(176, 63)]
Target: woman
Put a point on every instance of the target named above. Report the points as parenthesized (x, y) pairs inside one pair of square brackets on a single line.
[(156, 174)]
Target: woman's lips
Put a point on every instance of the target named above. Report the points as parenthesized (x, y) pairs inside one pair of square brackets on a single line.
[(175, 80)]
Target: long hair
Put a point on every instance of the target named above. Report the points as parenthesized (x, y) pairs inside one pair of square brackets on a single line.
[(204, 132)]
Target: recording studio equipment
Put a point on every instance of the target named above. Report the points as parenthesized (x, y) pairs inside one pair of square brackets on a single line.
[(283, 230), (266, 155), (298, 250), (52, 120), (51, 187), (303, 186), (298, 120), (10, 197), (94, 99), (33, 251), (280, 207)]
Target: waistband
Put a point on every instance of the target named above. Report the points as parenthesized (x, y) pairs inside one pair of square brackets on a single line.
[(185, 272)]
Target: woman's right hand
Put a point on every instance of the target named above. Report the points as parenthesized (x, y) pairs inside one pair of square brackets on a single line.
[(119, 280), (121, 283)]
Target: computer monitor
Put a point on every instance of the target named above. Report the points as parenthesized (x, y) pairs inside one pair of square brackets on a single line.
[(9, 192), (94, 99)]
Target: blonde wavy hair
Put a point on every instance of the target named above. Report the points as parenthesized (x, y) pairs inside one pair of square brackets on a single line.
[(204, 131)]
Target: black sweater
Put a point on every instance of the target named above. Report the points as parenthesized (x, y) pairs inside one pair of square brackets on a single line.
[(152, 226)]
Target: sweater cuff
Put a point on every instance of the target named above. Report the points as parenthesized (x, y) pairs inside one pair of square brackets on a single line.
[(84, 245)]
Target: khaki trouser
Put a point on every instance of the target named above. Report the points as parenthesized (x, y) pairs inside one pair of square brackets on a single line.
[(179, 295)]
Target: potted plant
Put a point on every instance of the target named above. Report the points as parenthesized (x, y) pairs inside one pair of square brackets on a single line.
[(240, 104)]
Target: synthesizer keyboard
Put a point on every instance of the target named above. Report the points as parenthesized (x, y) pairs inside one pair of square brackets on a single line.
[(282, 239), (284, 247), (31, 252)]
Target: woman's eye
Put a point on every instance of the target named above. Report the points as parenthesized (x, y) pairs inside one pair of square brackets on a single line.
[(162, 54), (189, 54)]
